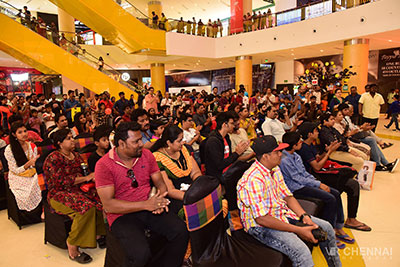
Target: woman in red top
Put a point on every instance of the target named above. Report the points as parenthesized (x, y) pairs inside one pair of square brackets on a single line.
[(62, 169)]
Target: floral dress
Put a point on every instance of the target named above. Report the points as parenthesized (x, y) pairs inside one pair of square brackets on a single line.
[(60, 173)]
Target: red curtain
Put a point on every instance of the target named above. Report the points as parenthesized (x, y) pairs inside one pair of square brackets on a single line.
[(236, 16)]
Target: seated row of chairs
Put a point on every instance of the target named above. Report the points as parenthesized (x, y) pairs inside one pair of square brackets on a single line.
[(211, 244)]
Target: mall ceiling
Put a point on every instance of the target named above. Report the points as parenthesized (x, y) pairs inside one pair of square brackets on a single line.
[(203, 9)]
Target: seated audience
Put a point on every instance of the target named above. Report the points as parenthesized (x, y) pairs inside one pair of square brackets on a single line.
[(341, 178), (248, 124), (61, 123), (219, 155), (269, 212), (64, 175), (363, 149), (191, 136), (102, 142), (141, 117), (303, 184), (32, 135), (21, 157), (239, 135), (157, 129), (123, 181), (178, 168), (273, 126), (202, 121), (344, 153), (80, 123)]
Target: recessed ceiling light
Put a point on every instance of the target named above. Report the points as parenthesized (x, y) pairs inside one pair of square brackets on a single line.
[(291, 50), (197, 63), (198, 60), (174, 65), (292, 54), (321, 50), (390, 40), (220, 62)]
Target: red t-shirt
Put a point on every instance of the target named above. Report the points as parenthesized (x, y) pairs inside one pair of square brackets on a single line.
[(110, 171)]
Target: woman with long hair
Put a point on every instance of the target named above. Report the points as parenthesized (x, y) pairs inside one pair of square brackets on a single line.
[(80, 123), (177, 166), (65, 176), (21, 156), (249, 124)]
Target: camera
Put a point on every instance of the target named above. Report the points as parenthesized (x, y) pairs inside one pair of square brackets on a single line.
[(319, 234)]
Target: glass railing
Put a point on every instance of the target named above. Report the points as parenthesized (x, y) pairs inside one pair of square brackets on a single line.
[(52, 34), (253, 22)]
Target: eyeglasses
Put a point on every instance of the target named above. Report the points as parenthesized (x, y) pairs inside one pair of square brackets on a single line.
[(131, 175)]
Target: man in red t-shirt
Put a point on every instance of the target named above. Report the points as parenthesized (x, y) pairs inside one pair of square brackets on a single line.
[(123, 184)]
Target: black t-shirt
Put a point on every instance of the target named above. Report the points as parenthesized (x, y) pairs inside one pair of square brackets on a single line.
[(308, 153), (92, 160)]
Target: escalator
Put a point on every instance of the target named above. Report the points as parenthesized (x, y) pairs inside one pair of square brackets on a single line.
[(67, 59), (116, 24)]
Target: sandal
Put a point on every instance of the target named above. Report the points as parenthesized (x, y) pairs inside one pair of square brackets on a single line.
[(340, 245), (102, 242), (362, 227), (346, 238), (82, 258)]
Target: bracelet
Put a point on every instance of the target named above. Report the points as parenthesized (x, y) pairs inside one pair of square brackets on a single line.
[(303, 215)]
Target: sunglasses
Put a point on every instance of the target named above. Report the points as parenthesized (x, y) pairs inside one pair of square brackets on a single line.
[(131, 175)]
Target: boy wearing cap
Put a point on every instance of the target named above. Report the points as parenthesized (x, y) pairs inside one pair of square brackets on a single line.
[(269, 211)]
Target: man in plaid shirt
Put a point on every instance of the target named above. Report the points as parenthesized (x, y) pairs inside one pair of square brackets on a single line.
[(269, 211)]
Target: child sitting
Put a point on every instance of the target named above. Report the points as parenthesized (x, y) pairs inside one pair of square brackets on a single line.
[(102, 143)]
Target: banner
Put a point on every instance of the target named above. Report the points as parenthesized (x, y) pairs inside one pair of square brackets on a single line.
[(236, 22), (389, 63)]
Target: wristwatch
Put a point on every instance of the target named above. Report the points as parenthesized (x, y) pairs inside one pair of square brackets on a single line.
[(303, 215)]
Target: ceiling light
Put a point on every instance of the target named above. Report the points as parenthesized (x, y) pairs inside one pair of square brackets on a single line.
[(291, 50), (197, 63), (390, 40), (321, 50), (220, 62), (174, 65), (198, 60), (292, 54)]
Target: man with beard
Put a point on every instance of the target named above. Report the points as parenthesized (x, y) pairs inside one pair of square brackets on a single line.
[(123, 183), (142, 118), (218, 146)]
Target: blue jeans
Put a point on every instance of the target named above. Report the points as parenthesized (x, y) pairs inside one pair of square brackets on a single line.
[(394, 120), (376, 153), (333, 207), (291, 245)]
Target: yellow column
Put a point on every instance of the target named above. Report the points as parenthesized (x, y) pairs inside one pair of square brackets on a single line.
[(156, 7), (244, 73), (66, 24), (157, 73), (355, 54)]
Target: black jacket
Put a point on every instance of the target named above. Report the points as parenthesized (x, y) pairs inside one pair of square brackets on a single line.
[(329, 135), (214, 155)]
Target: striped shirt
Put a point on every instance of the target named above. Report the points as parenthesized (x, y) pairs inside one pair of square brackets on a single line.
[(261, 192)]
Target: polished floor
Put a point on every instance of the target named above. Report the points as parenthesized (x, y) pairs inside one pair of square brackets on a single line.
[(379, 208)]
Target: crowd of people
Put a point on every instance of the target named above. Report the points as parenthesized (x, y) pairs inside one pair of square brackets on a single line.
[(299, 146), (257, 21)]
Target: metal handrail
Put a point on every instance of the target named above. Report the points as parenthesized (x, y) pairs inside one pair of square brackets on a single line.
[(110, 71)]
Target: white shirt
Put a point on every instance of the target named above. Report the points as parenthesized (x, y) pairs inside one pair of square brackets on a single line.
[(275, 128), (371, 105), (167, 102), (188, 137), (245, 101)]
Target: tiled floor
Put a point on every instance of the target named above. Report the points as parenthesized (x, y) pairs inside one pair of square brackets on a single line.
[(379, 208)]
